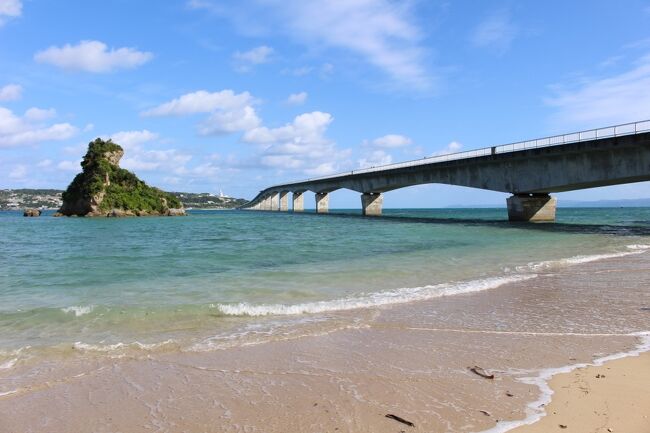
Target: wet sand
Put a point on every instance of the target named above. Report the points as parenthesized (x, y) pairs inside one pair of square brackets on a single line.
[(410, 360), (614, 397)]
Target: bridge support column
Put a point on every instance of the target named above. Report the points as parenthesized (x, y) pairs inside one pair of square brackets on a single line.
[(531, 207), (371, 203), (266, 204), (275, 201), (322, 202), (298, 202), (284, 201)]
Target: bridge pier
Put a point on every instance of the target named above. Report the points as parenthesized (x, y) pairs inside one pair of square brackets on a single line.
[(275, 201), (322, 202), (371, 203), (531, 207), (298, 201), (284, 201), (266, 204)]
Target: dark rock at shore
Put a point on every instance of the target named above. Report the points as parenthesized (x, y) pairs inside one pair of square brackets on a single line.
[(105, 189), (32, 213)]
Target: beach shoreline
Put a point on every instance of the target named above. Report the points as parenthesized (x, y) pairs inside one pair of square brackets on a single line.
[(612, 397), (411, 360)]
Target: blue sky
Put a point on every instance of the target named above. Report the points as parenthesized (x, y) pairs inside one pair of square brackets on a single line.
[(208, 95)]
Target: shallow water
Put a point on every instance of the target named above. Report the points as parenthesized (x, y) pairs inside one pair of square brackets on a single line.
[(240, 321), (181, 282)]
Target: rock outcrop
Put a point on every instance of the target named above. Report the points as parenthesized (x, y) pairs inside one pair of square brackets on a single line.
[(32, 213), (105, 189)]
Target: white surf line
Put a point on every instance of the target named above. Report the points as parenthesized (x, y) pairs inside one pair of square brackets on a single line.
[(536, 410)]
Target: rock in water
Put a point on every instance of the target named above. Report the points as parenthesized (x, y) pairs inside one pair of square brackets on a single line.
[(105, 189), (32, 213)]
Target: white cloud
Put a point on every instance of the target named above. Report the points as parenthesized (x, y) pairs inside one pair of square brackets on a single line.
[(133, 139), (256, 56), (392, 141), (146, 160), (223, 122), (11, 92), (375, 158), (299, 145), (44, 163), (230, 111), (452, 147), (16, 130), (10, 9), (297, 98), (497, 31), (382, 32), (202, 102), (594, 102), (138, 158), (38, 114), (93, 56)]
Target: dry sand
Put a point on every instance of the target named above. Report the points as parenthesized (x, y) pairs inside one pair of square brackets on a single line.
[(614, 397)]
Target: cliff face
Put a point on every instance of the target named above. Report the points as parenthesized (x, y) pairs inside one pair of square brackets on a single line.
[(105, 189)]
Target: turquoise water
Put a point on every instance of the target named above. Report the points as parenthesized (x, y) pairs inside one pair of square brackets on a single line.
[(150, 280)]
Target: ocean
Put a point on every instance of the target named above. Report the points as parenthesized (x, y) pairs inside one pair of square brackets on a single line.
[(239, 320), (218, 279)]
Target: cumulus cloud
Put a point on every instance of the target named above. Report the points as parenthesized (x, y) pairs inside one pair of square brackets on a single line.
[(227, 121), (452, 147), (146, 160), (38, 114), (11, 92), (375, 158), (133, 139), (497, 31), (300, 145), (93, 56), (381, 32), (16, 130), (229, 111), (297, 98), (391, 141), (256, 56), (10, 9), (139, 158), (594, 102)]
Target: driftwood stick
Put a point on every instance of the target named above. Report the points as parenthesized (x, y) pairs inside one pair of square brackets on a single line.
[(400, 419)]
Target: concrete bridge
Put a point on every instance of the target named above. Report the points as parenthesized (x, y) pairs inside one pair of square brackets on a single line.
[(529, 170)]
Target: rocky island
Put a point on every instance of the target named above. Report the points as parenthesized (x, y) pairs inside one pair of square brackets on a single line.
[(105, 189)]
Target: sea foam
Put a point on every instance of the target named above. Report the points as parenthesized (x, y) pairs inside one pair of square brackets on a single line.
[(535, 410), (79, 310), (397, 296)]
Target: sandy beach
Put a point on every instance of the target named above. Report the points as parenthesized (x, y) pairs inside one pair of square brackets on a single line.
[(348, 372), (613, 397)]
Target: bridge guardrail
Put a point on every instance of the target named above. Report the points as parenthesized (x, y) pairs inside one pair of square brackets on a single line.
[(555, 140)]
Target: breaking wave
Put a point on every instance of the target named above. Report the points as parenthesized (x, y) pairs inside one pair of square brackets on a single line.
[(397, 296)]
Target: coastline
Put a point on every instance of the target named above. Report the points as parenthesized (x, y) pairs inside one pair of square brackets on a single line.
[(411, 360), (610, 397)]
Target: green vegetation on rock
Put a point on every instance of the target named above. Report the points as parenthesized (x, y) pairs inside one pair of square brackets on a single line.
[(103, 188)]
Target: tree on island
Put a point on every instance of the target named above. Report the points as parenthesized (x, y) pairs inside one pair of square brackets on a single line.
[(105, 189)]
